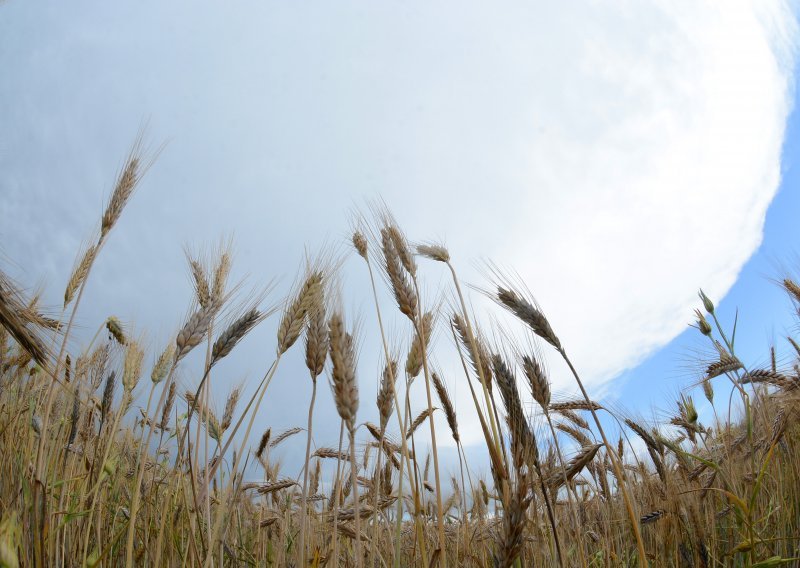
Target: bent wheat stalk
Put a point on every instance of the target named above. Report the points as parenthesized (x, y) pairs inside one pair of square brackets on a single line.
[(538, 323)]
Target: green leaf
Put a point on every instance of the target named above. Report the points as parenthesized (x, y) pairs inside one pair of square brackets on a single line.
[(744, 546), (773, 561), (69, 517)]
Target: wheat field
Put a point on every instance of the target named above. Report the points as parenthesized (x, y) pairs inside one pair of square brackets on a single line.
[(106, 463)]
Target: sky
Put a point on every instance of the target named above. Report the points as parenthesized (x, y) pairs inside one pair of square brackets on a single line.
[(616, 155)]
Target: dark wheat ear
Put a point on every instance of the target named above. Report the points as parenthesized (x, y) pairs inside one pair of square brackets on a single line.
[(726, 364), (792, 288), (584, 456), (263, 442), (523, 442), (108, 395), (421, 417), (528, 313), (512, 537), (539, 383), (652, 516), (575, 433), (447, 405), (330, 453), (285, 435), (14, 318), (115, 329), (272, 487), (646, 437), (770, 377), (168, 405), (75, 414), (234, 334), (574, 418), (578, 404), (794, 344)]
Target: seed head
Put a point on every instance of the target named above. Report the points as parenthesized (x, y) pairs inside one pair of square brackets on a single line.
[(342, 352), (163, 364), (419, 346), (126, 183), (293, 317), (529, 314), (792, 287), (360, 244), (702, 323), (193, 332), (235, 332), (707, 303), (200, 283), (386, 393), (79, 274), (708, 390), (316, 338), (114, 327), (403, 291), (540, 386), (434, 252), (168, 405), (132, 372)]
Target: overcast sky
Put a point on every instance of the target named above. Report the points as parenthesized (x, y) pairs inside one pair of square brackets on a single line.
[(618, 155)]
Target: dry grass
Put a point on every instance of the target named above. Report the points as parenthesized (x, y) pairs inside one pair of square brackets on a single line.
[(89, 478)]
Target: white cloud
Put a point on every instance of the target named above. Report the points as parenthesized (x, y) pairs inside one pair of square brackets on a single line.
[(668, 191)]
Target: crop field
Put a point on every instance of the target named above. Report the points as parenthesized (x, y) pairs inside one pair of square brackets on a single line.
[(109, 460)]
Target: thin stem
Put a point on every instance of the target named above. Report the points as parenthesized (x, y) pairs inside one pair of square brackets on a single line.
[(573, 499), (38, 485), (336, 491), (426, 371), (140, 469), (549, 509), (354, 484), (302, 548), (233, 486), (401, 423), (375, 497), (478, 363), (618, 470)]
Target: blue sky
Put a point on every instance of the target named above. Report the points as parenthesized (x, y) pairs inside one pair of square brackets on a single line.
[(617, 155), (765, 314)]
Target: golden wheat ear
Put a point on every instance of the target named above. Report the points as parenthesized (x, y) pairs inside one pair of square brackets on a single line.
[(343, 372)]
